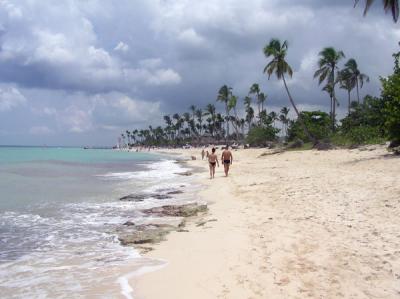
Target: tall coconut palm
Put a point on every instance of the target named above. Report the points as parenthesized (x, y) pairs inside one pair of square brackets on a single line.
[(388, 5), (330, 91), (232, 106), (192, 108), (210, 110), (261, 99), (283, 117), (274, 117), (280, 67), (328, 67), (199, 116), (224, 94), (347, 84), (255, 89), (355, 75)]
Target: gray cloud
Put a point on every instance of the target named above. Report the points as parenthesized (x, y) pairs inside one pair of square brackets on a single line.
[(92, 68)]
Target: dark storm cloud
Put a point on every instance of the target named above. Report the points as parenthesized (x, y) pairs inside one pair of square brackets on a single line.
[(91, 67)]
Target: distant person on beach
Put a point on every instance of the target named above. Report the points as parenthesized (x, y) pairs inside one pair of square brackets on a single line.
[(212, 161), (226, 159), (203, 153), (207, 154)]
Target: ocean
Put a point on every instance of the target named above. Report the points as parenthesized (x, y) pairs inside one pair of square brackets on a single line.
[(59, 208)]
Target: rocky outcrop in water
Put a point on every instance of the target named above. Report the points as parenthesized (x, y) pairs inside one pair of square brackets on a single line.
[(149, 233)]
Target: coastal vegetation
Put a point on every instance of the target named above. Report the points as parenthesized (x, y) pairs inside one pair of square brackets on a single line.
[(368, 120)]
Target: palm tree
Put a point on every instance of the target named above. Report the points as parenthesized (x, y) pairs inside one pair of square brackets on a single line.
[(328, 66), (199, 116), (261, 99), (128, 136), (273, 116), (280, 67), (283, 117), (355, 75), (388, 5), (192, 108), (210, 110), (346, 83), (330, 90), (232, 105), (223, 96), (255, 89)]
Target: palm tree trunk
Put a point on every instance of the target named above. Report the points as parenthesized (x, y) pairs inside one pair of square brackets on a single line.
[(334, 112), (358, 95), (297, 112), (348, 92), (227, 123)]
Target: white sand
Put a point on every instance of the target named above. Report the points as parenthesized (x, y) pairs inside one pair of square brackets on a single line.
[(294, 225)]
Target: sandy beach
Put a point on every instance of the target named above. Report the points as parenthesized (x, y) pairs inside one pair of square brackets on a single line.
[(301, 224)]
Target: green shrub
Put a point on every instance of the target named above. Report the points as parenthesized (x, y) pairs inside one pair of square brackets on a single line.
[(259, 135), (317, 122), (391, 97)]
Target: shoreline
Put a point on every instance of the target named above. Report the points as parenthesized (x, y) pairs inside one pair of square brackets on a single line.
[(287, 225)]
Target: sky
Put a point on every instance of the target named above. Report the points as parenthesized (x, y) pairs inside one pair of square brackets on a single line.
[(80, 72)]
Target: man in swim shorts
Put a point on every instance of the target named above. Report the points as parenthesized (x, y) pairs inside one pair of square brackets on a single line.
[(212, 161), (226, 159)]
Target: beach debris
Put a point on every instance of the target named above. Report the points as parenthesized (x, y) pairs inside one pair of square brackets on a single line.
[(186, 210), (272, 152), (201, 223), (193, 157)]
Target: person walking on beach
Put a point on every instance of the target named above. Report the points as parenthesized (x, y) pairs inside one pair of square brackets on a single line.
[(212, 160), (226, 159), (203, 153)]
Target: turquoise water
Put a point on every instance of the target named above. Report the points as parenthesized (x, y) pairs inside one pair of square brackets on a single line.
[(59, 209), (30, 154)]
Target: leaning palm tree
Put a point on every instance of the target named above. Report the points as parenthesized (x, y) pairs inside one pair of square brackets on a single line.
[(388, 5), (356, 76), (280, 67), (224, 94), (328, 67)]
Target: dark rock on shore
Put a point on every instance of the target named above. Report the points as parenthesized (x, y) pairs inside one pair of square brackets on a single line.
[(186, 173), (323, 146), (146, 233), (129, 223), (186, 210), (143, 236), (296, 144), (142, 196), (175, 192)]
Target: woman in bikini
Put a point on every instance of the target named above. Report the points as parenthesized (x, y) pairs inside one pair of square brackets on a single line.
[(212, 160)]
